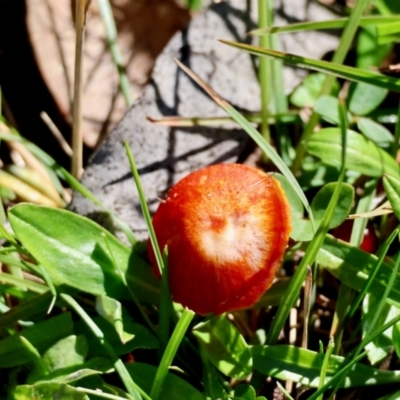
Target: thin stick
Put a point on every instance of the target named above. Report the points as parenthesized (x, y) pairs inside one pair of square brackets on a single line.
[(77, 141), (56, 133)]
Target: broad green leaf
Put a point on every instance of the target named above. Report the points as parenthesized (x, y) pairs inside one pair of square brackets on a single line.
[(67, 352), (362, 155), (174, 388), (142, 338), (365, 98), (224, 346), (380, 347), (75, 251), (41, 336), (111, 310), (341, 71), (321, 200), (392, 189), (304, 366), (307, 93), (47, 391), (327, 108), (93, 367), (352, 266), (375, 132)]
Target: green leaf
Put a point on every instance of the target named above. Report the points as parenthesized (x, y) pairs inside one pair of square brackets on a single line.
[(352, 266), (41, 336), (66, 362), (174, 388), (362, 155), (224, 346), (369, 53), (212, 381), (375, 132), (48, 390), (245, 392), (93, 367), (392, 189), (304, 366), (327, 108), (365, 98), (111, 310), (321, 200), (380, 347), (74, 251), (67, 352), (142, 338), (307, 93), (301, 227)]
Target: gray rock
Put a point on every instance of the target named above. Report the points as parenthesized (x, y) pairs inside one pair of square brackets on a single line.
[(164, 155)]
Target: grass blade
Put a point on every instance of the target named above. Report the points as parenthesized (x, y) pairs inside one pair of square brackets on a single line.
[(254, 134), (111, 32), (328, 24), (134, 390), (338, 70), (170, 352)]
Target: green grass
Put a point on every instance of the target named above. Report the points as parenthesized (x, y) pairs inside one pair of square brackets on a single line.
[(82, 316)]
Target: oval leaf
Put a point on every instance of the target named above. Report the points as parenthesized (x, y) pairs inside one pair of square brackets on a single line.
[(342, 209), (328, 108), (302, 365), (225, 347), (352, 266), (375, 132), (364, 98), (76, 251), (362, 155), (48, 390)]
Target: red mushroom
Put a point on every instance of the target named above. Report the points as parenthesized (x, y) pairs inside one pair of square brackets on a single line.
[(226, 227)]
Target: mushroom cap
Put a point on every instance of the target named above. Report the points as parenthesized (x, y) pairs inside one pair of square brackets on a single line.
[(226, 227)]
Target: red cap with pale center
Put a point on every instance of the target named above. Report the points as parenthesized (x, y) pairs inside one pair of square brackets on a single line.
[(226, 227)]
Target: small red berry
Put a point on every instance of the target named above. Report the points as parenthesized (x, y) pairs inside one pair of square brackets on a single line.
[(226, 227)]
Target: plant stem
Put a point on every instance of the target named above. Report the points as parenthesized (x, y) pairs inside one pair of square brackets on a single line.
[(77, 141)]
